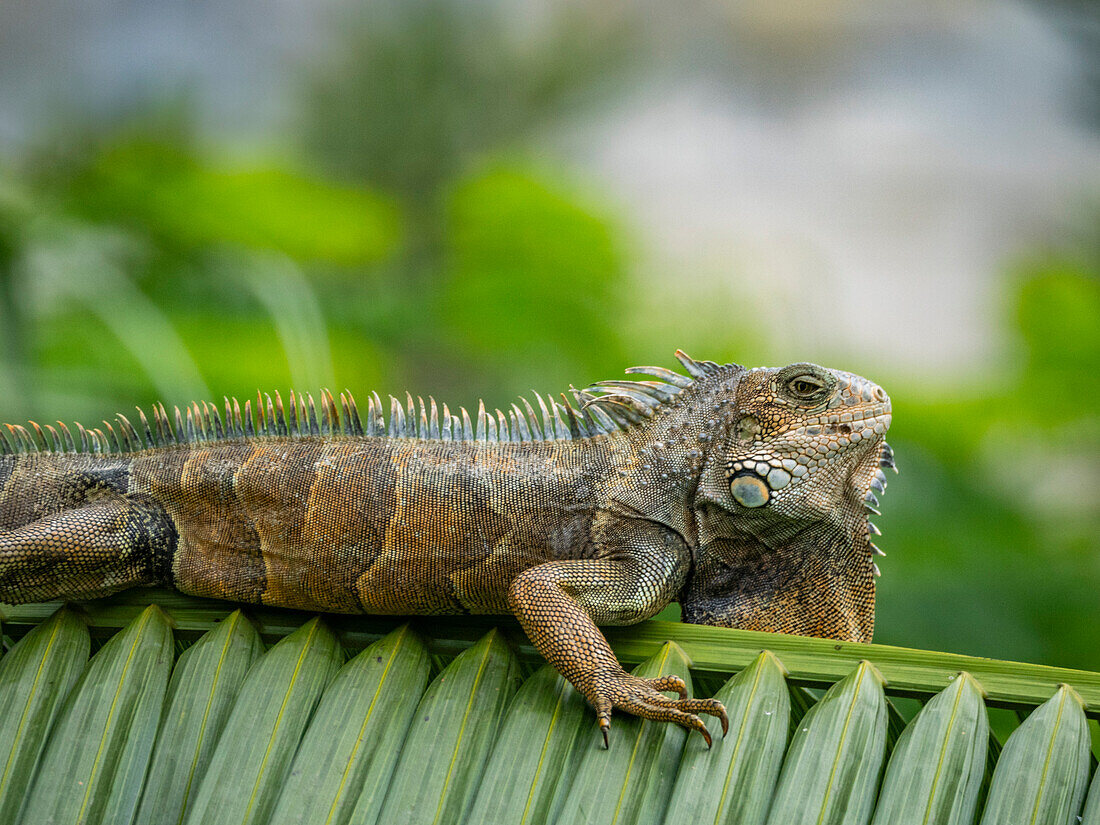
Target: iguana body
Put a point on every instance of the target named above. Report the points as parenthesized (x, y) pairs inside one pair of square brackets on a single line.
[(740, 493)]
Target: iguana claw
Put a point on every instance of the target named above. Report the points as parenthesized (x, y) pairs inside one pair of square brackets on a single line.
[(644, 697)]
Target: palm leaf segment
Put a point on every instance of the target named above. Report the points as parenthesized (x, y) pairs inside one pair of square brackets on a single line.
[(181, 717)]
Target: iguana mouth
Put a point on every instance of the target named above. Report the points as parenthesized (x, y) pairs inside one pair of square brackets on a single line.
[(849, 426), (755, 479)]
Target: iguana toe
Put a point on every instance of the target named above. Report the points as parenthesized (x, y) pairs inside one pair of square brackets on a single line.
[(644, 698), (670, 683)]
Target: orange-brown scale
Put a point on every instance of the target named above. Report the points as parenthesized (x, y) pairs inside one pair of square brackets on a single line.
[(371, 525), (218, 552)]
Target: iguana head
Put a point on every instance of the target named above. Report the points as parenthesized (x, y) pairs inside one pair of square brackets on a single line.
[(800, 429), (782, 504), (769, 476)]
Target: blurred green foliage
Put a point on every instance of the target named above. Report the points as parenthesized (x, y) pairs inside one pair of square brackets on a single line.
[(993, 525), (413, 243), (182, 203), (550, 269)]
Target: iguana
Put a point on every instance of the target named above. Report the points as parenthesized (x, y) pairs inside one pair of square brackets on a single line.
[(741, 493)]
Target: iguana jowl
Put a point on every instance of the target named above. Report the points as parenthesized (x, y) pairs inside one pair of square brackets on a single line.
[(740, 493)]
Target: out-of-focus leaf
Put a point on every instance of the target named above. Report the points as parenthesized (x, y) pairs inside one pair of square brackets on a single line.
[(631, 781), (254, 753), (936, 769), (35, 677), (354, 738), (530, 760), (534, 278), (831, 772), (201, 694), (95, 760), (1043, 771), (1092, 804), (1058, 314), (734, 780), (449, 740), (178, 199)]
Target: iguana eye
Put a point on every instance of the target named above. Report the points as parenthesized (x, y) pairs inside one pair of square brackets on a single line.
[(805, 384), (807, 387)]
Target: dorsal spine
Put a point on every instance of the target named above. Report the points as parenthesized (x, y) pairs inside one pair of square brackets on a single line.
[(604, 407)]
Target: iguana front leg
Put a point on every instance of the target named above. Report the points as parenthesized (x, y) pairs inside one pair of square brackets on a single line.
[(559, 605)]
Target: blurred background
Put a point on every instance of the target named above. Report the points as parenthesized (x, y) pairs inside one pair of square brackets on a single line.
[(473, 198)]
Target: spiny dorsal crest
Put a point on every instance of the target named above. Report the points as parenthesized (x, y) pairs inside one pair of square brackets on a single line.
[(618, 405)]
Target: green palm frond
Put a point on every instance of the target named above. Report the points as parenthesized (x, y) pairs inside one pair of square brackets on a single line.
[(456, 719)]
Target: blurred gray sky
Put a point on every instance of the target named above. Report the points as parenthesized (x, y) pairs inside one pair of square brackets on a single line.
[(861, 175), (869, 172)]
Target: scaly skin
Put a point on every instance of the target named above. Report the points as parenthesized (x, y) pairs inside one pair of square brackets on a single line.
[(740, 493)]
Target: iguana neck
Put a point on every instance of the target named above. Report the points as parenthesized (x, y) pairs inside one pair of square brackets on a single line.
[(659, 463), (761, 569)]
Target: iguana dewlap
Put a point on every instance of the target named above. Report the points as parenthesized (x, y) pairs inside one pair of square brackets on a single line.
[(742, 494)]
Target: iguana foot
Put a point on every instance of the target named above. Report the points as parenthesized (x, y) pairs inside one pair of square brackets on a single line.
[(643, 697)]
